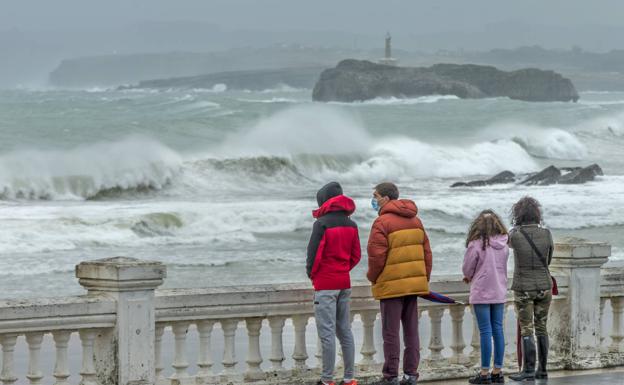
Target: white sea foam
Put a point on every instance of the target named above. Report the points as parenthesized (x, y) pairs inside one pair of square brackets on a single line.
[(272, 100), (87, 171), (405, 159), (542, 142), (604, 126), (401, 101), (311, 129)]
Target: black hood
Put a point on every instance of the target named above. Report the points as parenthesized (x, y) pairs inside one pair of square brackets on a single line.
[(330, 190)]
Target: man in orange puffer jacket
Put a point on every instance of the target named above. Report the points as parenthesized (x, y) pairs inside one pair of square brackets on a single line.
[(399, 267)]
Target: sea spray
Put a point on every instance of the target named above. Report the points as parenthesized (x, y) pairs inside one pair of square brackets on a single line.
[(88, 171), (313, 129), (541, 142)]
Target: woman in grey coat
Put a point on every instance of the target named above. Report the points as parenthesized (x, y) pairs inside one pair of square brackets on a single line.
[(533, 247)]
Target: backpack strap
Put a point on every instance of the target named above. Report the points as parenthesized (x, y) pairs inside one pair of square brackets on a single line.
[(535, 249)]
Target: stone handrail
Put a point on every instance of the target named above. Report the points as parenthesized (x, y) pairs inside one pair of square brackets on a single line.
[(123, 320)]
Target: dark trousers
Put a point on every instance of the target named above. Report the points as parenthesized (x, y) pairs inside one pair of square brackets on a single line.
[(394, 313)]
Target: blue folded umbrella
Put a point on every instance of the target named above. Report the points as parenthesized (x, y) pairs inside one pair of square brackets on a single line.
[(439, 298)]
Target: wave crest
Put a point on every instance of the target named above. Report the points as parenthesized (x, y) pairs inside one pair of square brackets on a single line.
[(88, 172)]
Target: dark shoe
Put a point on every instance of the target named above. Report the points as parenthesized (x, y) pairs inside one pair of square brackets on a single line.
[(322, 383), (388, 381), (409, 380), (479, 379), (497, 378), (528, 361), (542, 355)]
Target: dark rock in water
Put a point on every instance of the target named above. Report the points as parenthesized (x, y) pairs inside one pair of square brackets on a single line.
[(582, 175), (549, 175), (356, 80), (503, 177), (570, 169)]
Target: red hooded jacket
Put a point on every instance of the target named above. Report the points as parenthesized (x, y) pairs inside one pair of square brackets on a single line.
[(334, 247)]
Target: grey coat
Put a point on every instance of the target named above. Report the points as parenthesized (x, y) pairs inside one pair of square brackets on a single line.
[(530, 274)]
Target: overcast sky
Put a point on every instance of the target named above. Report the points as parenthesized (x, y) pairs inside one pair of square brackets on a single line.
[(35, 35), (348, 15)]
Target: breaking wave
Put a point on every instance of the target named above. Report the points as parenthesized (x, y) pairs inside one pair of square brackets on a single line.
[(300, 145), (540, 142), (88, 172)]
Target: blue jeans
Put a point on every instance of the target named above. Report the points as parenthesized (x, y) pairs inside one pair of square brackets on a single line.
[(490, 320)]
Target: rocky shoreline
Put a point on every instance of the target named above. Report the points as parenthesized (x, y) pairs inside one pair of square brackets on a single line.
[(548, 176)]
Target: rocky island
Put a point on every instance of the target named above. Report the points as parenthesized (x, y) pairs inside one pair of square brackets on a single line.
[(356, 80)]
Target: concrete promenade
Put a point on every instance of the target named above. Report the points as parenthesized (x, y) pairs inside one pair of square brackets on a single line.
[(613, 376)]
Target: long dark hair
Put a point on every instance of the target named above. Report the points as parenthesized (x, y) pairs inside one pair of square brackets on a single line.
[(484, 226), (527, 211)]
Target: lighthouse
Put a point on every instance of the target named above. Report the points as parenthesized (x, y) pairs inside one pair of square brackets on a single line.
[(388, 59)]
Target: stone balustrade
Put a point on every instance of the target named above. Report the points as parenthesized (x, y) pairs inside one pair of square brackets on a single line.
[(131, 333)]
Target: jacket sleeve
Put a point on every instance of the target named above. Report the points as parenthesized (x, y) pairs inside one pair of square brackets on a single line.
[(428, 256), (551, 247), (377, 251), (512, 234), (318, 230), (471, 258), (356, 253)]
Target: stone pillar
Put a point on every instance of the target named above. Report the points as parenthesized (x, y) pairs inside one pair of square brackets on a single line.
[(125, 354), (574, 321)]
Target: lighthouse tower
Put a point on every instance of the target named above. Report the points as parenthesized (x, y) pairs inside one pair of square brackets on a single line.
[(388, 59)]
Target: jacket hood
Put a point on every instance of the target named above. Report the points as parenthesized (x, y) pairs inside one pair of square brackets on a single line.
[(327, 192), (337, 203), (499, 241), (403, 207)]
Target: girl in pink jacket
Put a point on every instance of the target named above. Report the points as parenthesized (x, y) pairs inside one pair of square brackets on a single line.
[(485, 269)]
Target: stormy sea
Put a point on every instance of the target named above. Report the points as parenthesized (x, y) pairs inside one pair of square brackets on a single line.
[(220, 184)]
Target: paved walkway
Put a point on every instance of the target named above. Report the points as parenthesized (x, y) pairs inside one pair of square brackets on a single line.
[(589, 377)]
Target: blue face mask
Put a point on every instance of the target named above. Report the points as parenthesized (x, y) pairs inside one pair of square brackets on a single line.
[(375, 204)]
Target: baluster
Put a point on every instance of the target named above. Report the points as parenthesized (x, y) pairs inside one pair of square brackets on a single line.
[(300, 353), (421, 311), (277, 347), (458, 344), (34, 341), (319, 352), (158, 361), (475, 341), (603, 301), (617, 334), (510, 352), (435, 340), (61, 371), (254, 357), (204, 362), (7, 376), (229, 354), (180, 364), (368, 344), (87, 337), (340, 364)]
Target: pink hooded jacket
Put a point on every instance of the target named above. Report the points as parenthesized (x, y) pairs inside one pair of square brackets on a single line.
[(487, 270)]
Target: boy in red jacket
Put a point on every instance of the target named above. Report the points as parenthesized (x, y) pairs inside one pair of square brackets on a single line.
[(333, 250)]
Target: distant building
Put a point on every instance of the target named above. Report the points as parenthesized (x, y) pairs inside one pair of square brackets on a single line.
[(388, 59)]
